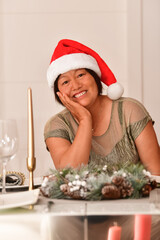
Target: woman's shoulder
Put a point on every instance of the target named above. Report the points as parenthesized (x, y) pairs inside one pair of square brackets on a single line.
[(133, 108), (128, 100), (57, 120), (60, 115), (130, 103)]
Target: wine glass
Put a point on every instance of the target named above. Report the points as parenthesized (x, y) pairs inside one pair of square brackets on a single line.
[(8, 145)]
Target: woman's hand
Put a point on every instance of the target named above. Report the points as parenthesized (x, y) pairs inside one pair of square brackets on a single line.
[(73, 154), (78, 111)]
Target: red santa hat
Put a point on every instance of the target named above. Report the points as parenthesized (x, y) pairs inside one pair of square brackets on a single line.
[(70, 55)]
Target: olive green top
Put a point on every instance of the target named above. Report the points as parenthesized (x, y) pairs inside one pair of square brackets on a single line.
[(128, 119)]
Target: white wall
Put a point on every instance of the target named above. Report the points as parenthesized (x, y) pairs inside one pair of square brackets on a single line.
[(143, 54), (29, 31), (151, 60)]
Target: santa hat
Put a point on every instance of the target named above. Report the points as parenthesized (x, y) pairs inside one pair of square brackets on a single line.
[(70, 55)]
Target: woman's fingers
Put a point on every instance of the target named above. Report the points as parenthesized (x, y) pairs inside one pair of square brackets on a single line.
[(77, 110), (67, 101), (60, 96)]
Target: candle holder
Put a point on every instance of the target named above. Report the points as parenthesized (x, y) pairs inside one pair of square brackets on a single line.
[(31, 160), (31, 168)]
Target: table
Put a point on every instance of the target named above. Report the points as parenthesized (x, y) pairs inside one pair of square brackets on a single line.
[(48, 218)]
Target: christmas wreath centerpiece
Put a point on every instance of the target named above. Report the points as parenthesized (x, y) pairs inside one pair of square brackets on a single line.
[(99, 183)]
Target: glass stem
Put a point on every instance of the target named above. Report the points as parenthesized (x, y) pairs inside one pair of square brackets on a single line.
[(4, 177)]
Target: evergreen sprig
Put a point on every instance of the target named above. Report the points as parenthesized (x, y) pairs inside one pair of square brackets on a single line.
[(87, 182)]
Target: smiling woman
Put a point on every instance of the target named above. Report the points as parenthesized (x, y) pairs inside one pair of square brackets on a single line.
[(95, 128), (94, 75), (79, 86)]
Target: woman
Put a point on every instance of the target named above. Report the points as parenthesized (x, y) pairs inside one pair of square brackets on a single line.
[(95, 128)]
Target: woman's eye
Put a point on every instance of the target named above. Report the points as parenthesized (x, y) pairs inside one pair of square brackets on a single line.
[(65, 82), (81, 75)]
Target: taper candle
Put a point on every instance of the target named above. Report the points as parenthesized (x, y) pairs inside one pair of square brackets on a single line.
[(142, 227), (30, 126), (31, 161), (114, 232)]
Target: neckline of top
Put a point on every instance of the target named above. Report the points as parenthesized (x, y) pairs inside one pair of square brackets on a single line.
[(94, 136)]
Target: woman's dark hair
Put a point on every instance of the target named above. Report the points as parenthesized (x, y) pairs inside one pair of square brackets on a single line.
[(94, 75)]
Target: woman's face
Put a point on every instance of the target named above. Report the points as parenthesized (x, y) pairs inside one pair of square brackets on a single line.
[(79, 85)]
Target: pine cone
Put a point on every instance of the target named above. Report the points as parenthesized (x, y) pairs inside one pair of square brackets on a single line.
[(123, 185), (118, 180), (110, 191), (64, 188), (67, 191), (146, 190), (76, 195), (153, 184)]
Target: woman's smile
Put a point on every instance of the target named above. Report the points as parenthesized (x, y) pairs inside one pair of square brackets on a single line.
[(78, 95)]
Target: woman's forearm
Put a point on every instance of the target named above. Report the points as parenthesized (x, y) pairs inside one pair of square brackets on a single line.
[(148, 149), (78, 152)]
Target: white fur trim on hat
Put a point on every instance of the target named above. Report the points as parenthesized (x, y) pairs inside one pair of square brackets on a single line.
[(71, 62), (115, 91)]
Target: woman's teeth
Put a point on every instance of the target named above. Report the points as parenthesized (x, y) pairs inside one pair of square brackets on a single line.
[(79, 94)]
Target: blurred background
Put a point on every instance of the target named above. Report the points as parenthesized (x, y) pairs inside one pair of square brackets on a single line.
[(126, 34)]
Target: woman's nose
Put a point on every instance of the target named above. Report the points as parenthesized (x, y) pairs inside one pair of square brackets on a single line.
[(75, 84)]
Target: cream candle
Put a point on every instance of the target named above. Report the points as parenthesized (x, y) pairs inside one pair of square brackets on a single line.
[(114, 232), (30, 126), (142, 227), (31, 161)]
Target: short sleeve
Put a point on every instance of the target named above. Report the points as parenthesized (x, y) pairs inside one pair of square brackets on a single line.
[(136, 117), (57, 126)]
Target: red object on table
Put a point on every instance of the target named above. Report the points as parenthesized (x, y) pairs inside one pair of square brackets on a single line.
[(114, 233), (142, 227)]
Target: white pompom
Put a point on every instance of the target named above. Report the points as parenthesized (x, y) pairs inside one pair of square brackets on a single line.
[(115, 91)]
